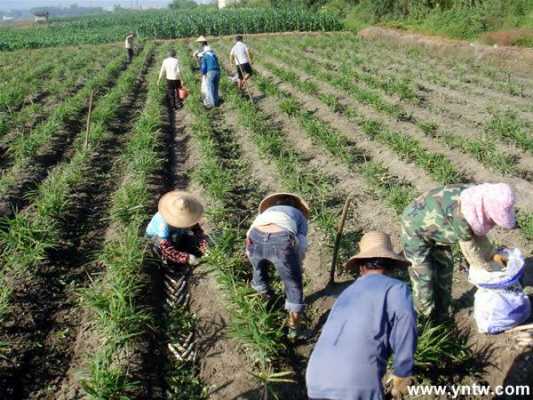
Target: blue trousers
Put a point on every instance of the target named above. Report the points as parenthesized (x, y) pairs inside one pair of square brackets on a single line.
[(213, 80), (279, 249)]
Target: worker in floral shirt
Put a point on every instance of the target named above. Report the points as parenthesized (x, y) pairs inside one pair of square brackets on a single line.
[(175, 227), (442, 217)]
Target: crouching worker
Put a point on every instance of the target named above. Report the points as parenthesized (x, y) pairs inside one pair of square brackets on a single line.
[(454, 214), (278, 236), (371, 319), (175, 230)]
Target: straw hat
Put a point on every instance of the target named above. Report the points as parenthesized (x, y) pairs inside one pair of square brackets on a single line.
[(376, 245), (201, 39), (180, 209), (272, 199)]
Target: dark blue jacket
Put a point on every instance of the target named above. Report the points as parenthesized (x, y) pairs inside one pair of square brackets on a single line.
[(371, 319), (209, 62)]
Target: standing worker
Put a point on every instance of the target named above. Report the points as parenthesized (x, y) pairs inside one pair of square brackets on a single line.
[(171, 68), (130, 45), (371, 319), (448, 215), (242, 57), (198, 56), (210, 70), (175, 230), (278, 235)]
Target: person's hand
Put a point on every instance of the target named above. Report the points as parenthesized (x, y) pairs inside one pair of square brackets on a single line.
[(500, 259), (193, 260), (400, 385)]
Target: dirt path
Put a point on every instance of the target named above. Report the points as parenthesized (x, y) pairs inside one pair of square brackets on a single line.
[(46, 318)]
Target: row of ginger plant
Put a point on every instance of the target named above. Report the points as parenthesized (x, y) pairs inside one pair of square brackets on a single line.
[(120, 318), (25, 148), (436, 342), (438, 166), (26, 238), (504, 125), (30, 98), (225, 177), (483, 149)]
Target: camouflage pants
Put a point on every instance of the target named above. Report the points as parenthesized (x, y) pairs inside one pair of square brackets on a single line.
[(432, 283)]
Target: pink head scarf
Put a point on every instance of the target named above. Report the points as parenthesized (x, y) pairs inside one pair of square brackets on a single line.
[(487, 205)]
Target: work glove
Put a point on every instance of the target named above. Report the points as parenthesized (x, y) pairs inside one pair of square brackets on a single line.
[(193, 260), (399, 386)]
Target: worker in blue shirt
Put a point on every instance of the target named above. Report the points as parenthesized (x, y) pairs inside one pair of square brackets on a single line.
[(210, 68), (175, 230), (371, 319)]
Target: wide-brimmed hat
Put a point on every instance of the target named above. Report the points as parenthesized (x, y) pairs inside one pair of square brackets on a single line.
[(274, 198), (180, 209), (376, 245), (201, 39)]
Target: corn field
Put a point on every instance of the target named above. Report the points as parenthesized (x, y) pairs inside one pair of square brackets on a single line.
[(164, 25)]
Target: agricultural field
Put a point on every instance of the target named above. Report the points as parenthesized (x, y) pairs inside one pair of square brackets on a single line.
[(165, 24), (85, 310)]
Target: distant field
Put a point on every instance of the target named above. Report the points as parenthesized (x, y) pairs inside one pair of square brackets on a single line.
[(164, 25)]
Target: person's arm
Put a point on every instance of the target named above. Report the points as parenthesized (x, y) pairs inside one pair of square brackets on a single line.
[(203, 66), (250, 55), (170, 253), (161, 73), (403, 334), (480, 253), (203, 243)]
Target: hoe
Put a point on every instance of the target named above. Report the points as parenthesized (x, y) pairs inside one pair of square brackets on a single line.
[(340, 228)]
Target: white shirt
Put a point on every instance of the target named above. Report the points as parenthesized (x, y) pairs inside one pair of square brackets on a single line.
[(128, 44), (171, 67), (278, 218), (240, 53), (283, 220)]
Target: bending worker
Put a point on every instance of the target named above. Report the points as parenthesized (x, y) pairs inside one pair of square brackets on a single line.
[(371, 319), (171, 69), (278, 235), (448, 215), (242, 57), (175, 230)]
